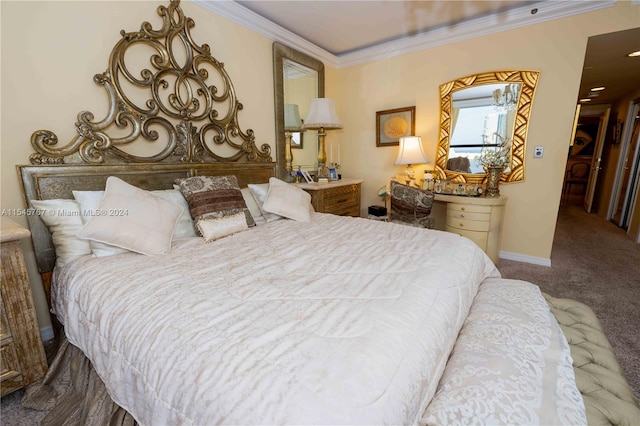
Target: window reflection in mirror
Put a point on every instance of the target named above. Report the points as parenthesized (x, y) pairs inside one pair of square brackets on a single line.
[(479, 115), (479, 110)]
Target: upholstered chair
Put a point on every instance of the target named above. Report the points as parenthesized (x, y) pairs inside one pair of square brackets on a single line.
[(411, 205)]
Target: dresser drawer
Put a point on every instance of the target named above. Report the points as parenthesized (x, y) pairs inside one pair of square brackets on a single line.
[(341, 195), (466, 224), (478, 237), (10, 376), (463, 214), (344, 210), (469, 208)]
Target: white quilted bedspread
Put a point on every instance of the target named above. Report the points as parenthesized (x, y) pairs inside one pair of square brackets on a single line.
[(336, 321)]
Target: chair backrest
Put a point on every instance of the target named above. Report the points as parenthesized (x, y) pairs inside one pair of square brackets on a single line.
[(459, 164), (579, 170), (411, 205)]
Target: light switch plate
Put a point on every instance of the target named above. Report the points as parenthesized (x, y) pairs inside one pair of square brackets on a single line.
[(538, 152)]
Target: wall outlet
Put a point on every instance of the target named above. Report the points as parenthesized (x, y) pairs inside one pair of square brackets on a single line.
[(538, 152)]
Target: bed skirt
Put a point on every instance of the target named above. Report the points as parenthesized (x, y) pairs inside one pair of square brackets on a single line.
[(73, 394)]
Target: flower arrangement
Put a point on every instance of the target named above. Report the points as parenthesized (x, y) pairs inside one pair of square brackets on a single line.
[(496, 156)]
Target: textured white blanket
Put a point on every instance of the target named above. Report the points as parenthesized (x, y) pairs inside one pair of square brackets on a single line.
[(340, 320)]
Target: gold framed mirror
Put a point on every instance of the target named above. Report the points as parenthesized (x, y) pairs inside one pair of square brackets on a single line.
[(297, 78), (476, 108)]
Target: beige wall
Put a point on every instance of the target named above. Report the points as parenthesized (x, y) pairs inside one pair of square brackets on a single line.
[(555, 48), (50, 52)]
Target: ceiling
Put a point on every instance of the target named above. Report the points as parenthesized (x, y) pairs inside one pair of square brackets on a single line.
[(343, 33), (342, 27)]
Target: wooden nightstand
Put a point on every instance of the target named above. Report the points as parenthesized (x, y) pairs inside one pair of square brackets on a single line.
[(341, 197), (23, 356)]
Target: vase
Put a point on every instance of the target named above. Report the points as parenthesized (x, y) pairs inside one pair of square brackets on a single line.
[(493, 181)]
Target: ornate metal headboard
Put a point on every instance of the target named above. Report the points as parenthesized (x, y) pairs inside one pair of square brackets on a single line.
[(173, 93), (181, 101)]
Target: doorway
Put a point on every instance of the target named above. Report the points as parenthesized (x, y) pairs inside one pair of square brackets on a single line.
[(628, 172), (584, 161)]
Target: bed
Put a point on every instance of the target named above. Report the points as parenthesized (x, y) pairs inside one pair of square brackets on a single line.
[(261, 311)]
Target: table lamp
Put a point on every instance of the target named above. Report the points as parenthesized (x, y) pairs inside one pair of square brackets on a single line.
[(410, 153), (292, 123), (322, 116)]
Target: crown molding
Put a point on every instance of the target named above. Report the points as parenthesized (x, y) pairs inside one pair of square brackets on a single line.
[(515, 18), (251, 20)]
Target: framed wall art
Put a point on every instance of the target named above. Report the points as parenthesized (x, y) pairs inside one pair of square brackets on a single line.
[(297, 140), (392, 124)]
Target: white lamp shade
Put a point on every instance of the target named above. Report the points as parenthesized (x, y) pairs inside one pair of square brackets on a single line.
[(411, 151), (292, 121), (322, 114)]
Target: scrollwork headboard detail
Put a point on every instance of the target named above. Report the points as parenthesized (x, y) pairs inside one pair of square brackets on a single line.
[(173, 96)]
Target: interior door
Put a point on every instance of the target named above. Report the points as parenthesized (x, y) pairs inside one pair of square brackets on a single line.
[(595, 162), (629, 181)]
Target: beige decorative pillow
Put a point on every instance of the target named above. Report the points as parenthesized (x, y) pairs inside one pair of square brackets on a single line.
[(88, 201), (253, 206), (288, 201), (62, 217), (259, 191), (214, 197), (215, 228), (133, 219), (185, 227)]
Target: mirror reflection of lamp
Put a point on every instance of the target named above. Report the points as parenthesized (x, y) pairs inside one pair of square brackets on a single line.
[(292, 123), (506, 100), (322, 116), (410, 153)]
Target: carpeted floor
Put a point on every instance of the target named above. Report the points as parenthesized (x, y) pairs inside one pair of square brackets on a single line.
[(592, 261), (595, 262)]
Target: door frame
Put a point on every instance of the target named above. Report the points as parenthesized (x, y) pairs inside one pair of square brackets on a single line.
[(596, 161), (630, 194)]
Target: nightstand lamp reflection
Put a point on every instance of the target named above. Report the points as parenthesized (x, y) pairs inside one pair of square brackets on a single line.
[(322, 116), (292, 123)]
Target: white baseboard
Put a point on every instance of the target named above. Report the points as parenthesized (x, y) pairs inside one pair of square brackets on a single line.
[(46, 333), (525, 258)]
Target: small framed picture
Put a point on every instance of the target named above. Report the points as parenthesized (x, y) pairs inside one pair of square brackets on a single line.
[(392, 124), (307, 177), (296, 140), (333, 173)]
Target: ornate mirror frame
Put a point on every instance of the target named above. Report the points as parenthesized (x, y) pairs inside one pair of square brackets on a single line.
[(528, 80), (281, 52)]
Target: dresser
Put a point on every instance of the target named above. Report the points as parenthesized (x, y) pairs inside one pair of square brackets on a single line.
[(23, 356), (477, 218), (340, 197)]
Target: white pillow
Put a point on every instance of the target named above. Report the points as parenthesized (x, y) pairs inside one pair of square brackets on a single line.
[(62, 217), (88, 201), (133, 219), (217, 227), (259, 192), (253, 206), (185, 228), (288, 201)]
